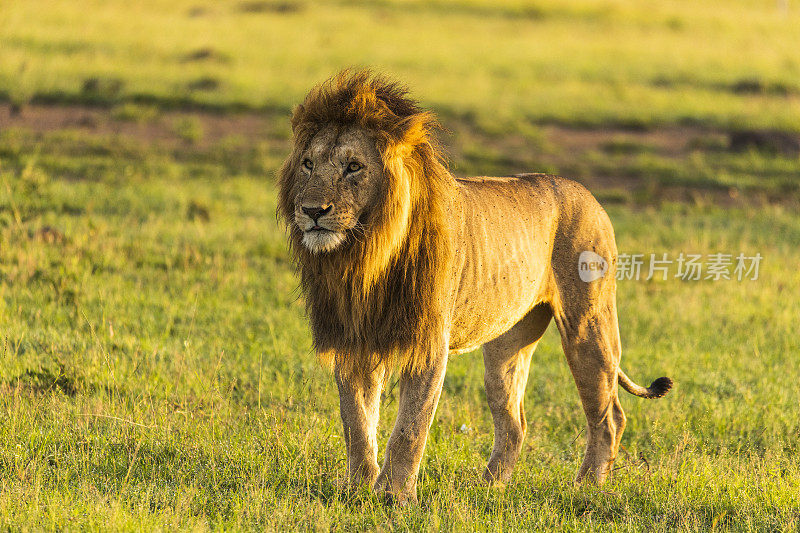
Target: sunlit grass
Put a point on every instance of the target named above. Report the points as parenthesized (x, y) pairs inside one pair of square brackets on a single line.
[(156, 371)]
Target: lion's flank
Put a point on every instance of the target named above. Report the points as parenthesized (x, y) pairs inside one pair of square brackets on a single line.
[(382, 296)]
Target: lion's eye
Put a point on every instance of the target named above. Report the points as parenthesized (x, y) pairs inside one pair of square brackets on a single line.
[(307, 164), (354, 167)]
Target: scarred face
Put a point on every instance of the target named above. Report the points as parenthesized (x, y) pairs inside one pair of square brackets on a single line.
[(338, 178)]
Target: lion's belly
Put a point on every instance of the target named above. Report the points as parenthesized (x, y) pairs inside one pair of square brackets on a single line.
[(502, 260)]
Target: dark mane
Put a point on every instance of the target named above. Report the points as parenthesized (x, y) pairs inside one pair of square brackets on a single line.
[(380, 298)]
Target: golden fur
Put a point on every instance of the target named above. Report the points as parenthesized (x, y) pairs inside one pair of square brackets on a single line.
[(402, 263), (379, 297)]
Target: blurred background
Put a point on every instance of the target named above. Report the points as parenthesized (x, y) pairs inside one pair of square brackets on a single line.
[(655, 96), (156, 369)]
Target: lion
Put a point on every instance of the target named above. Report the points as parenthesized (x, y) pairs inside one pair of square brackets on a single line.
[(403, 265)]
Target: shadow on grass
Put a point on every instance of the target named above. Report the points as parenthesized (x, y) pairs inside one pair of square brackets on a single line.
[(60, 380), (109, 98)]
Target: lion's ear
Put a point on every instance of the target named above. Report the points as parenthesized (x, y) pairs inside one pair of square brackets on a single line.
[(408, 134), (416, 128)]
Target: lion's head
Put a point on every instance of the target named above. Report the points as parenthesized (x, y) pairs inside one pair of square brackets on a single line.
[(364, 196), (339, 179)]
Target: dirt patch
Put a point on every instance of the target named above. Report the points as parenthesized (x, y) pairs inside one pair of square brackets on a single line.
[(155, 127), (595, 157), (669, 141)]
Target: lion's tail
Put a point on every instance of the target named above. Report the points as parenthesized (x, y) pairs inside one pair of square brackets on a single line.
[(657, 389)]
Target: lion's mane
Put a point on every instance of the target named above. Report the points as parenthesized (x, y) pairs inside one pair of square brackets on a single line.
[(381, 296)]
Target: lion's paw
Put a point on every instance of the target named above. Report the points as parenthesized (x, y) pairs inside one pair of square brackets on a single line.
[(384, 487)]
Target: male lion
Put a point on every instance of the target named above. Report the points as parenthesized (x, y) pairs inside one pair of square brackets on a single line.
[(402, 263)]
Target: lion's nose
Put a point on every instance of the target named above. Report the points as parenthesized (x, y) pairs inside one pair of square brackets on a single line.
[(317, 211)]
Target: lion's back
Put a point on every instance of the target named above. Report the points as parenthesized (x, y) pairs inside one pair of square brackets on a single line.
[(537, 200), (514, 238)]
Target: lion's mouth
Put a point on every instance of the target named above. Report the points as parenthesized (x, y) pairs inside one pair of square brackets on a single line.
[(319, 239)]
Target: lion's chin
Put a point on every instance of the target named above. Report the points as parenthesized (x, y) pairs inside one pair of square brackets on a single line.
[(320, 241)]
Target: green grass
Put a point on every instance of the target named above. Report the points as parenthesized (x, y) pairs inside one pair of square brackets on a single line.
[(576, 62), (156, 370)]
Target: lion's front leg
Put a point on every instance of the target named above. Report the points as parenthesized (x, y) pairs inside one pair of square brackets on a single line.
[(419, 395), (359, 402)]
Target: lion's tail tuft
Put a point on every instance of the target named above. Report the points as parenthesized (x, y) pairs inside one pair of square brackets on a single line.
[(657, 389)]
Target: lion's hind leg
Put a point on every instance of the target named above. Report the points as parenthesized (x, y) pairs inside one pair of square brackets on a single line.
[(507, 360), (590, 337)]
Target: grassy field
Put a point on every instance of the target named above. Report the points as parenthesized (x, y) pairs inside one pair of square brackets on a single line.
[(577, 62), (155, 363)]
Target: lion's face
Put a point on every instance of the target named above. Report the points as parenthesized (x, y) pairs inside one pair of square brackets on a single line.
[(338, 179)]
